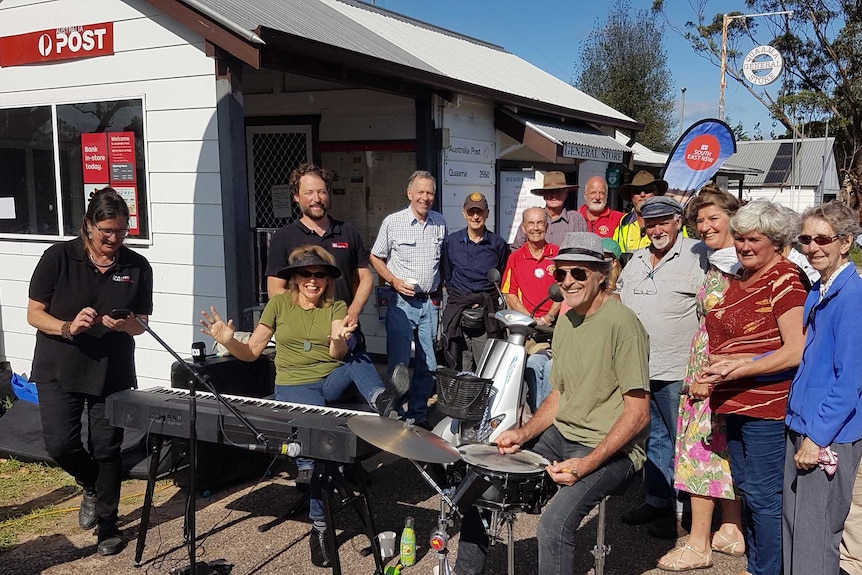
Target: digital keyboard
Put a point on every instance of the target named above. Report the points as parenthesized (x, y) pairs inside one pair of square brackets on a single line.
[(321, 432)]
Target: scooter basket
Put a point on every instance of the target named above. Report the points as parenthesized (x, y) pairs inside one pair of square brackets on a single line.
[(462, 396)]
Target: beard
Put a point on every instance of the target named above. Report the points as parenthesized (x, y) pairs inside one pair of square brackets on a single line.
[(661, 243)]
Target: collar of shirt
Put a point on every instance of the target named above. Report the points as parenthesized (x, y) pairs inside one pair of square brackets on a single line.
[(824, 288), (79, 253), (333, 228), (547, 252), (644, 254), (588, 215), (466, 238), (431, 218), (564, 215)]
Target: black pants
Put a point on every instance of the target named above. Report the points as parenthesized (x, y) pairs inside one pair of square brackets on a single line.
[(99, 466)]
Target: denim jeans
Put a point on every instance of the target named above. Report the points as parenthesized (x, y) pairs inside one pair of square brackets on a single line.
[(756, 449), (560, 518), (99, 466), (658, 470), (408, 320), (537, 376), (358, 370)]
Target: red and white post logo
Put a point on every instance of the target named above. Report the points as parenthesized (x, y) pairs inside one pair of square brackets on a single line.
[(66, 43)]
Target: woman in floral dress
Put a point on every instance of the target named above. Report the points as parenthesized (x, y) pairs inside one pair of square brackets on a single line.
[(701, 465)]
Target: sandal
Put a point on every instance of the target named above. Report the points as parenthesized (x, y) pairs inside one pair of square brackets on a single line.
[(681, 559), (721, 544)]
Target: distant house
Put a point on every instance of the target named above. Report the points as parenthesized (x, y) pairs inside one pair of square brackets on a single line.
[(796, 173)]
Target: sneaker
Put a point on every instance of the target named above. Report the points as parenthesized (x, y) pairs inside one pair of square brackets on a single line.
[(87, 512), (110, 539), (303, 476), (319, 545), (397, 386)]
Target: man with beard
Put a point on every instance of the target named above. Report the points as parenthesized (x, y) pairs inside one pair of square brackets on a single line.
[(592, 426), (406, 255), (601, 220), (630, 234), (309, 185), (660, 284)]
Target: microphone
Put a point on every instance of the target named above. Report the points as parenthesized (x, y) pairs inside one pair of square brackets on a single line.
[(288, 449)]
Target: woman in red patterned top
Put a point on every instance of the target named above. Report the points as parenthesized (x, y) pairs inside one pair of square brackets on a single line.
[(756, 340)]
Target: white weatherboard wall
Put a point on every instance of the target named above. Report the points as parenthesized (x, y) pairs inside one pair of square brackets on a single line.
[(161, 62), (470, 159)]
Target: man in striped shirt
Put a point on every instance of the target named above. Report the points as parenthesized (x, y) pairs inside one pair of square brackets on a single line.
[(406, 254)]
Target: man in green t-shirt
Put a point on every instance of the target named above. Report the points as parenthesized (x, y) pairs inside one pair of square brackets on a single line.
[(593, 424)]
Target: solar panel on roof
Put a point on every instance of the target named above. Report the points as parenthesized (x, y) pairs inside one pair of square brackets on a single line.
[(781, 164)]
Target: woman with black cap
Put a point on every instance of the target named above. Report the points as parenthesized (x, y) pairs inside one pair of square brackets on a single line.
[(311, 341)]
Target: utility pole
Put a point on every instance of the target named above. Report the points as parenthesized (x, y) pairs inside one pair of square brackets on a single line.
[(725, 22), (681, 111)]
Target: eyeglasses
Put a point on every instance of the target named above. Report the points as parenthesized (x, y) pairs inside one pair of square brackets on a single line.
[(307, 274), (578, 274), (819, 240), (108, 232)]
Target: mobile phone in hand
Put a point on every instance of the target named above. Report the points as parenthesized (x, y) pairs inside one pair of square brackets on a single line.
[(119, 313)]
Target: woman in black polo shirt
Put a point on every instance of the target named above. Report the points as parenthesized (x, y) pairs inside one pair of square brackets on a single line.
[(84, 295)]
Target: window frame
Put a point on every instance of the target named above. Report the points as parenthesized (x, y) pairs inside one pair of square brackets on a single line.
[(52, 104)]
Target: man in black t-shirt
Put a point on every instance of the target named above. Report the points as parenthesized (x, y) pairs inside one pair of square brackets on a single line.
[(310, 185)]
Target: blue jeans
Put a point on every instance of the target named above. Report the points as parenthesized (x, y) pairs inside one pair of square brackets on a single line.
[(358, 370), (537, 377), (658, 470), (756, 449), (560, 518), (409, 320)]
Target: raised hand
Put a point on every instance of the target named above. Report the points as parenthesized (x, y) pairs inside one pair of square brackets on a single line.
[(215, 327)]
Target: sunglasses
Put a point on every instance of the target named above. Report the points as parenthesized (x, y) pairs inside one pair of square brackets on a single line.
[(644, 191), (307, 274), (819, 240), (578, 274)]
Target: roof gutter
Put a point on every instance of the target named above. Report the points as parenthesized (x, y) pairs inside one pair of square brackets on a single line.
[(247, 35)]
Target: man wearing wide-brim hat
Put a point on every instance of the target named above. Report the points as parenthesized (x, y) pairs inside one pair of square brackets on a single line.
[(629, 235), (560, 220), (592, 425)]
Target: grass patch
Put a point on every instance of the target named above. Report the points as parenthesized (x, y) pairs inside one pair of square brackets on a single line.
[(856, 255)]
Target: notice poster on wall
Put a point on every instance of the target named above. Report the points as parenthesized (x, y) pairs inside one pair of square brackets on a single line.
[(515, 197), (108, 159)]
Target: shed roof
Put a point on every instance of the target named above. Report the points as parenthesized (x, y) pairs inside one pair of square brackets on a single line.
[(444, 58), (775, 160)]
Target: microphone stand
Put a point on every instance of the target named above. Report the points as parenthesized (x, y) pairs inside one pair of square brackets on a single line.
[(196, 378)]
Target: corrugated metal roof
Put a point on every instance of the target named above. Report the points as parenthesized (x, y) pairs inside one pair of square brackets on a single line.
[(643, 156), (581, 135), (761, 155), (382, 34)]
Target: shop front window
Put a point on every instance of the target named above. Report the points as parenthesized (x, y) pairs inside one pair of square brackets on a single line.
[(90, 145)]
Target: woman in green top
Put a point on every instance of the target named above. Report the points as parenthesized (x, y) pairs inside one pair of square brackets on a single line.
[(311, 343)]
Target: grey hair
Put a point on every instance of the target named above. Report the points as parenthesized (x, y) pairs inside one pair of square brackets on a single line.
[(778, 223), (422, 175), (838, 215), (524, 213)]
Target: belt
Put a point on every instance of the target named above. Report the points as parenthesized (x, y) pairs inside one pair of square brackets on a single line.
[(422, 295)]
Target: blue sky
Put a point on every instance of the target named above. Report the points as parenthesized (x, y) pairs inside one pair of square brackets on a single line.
[(548, 34)]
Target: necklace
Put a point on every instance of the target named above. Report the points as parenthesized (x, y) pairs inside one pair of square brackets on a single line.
[(306, 345), (98, 265)]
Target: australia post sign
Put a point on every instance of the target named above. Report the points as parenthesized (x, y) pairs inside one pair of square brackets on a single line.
[(68, 43)]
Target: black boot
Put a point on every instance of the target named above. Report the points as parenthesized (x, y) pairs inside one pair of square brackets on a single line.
[(319, 548), (396, 387), (111, 540), (87, 512)]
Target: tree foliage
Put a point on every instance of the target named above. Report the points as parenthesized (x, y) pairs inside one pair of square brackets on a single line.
[(822, 81), (623, 64)]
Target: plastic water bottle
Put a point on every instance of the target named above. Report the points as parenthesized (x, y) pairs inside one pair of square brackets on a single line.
[(408, 543)]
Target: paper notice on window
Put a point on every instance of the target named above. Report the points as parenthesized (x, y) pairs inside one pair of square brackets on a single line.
[(281, 201), (7, 208)]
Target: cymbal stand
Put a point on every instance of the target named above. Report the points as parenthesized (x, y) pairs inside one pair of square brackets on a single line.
[(440, 538)]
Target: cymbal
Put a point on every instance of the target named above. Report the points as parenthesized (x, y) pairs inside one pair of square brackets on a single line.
[(403, 439)]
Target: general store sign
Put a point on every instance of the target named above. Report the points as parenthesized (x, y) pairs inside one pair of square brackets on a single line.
[(590, 153), (68, 43)]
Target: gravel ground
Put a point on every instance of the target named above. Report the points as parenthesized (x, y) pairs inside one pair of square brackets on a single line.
[(228, 519)]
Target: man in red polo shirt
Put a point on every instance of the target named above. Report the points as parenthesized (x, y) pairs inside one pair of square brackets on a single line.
[(530, 270), (601, 220)]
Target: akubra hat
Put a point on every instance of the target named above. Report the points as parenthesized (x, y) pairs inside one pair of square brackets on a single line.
[(553, 181), (581, 247), (641, 180), (308, 259)]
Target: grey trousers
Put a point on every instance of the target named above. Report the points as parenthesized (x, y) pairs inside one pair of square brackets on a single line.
[(815, 507)]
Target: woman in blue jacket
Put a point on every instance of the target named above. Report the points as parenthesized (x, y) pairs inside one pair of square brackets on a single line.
[(824, 409)]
